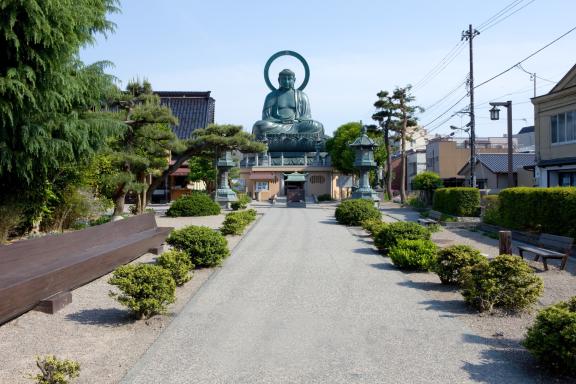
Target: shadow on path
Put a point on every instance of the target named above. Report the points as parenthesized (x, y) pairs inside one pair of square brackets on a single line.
[(496, 361), (110, 317)]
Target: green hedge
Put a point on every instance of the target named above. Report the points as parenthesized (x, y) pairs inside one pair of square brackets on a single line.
[(178, 264), (194, 204), (418, 255), (548, 210), (388, 235), (552, 338), (460, 201), (236, 222), (206, 247), (355, 211)]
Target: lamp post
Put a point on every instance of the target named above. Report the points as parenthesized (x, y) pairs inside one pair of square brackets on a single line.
[(495, 115), (364, 162), (472, 152)]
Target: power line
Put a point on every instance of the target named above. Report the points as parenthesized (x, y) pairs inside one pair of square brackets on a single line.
[(526, 58), (447, 95), (493, 17), (440, 66), (495, 22)]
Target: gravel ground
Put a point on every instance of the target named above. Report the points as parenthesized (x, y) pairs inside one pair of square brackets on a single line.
[(94, 329), (504, 331)]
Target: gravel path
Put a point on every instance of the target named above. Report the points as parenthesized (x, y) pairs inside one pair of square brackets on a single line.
[(304, 300), (94, 329)]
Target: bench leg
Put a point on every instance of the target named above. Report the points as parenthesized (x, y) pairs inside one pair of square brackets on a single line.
[(564, 260), (521, 253), (537, 257), (545, 261)]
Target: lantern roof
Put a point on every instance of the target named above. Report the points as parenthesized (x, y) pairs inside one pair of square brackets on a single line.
[(363, 140)]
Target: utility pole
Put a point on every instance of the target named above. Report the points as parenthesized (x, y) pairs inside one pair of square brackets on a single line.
[(469, 36)]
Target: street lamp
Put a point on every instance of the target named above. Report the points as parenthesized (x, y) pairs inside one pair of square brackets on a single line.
[(495, 115), (472, 151)]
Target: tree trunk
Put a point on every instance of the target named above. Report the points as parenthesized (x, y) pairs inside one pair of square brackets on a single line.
[(119, 197), (403, 165), (388, 172)]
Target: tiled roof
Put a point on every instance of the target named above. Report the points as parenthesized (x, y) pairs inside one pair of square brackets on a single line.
[(498, 162), (527, 129), (193, 109)]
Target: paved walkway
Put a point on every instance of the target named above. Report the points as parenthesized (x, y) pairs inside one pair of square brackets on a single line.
[(304, 300)]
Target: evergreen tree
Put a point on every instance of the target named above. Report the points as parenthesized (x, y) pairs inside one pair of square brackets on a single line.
[(49, 100)]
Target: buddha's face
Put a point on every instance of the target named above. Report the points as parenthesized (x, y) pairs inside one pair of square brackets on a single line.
[(286, 81)]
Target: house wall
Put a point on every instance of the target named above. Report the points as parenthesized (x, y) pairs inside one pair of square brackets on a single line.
[(545, 149)]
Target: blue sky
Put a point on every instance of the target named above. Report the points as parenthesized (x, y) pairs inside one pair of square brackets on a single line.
[(354, 49)]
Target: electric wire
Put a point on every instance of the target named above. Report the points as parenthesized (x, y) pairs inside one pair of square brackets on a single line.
[(485, 28)]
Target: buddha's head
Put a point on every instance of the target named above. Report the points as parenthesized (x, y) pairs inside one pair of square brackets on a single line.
[(286, 79)]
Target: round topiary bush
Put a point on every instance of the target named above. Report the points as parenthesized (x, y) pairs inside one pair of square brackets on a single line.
[(195, 204), (206, 247), (373, 226), (552, 338), (505, 282), (416, 255), (451, 260), (146, 289), (241, 203), (178, 264), (391, 233), (353, 212)]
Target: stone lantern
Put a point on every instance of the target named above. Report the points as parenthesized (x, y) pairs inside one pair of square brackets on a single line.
[(364, 162), (225, 195)]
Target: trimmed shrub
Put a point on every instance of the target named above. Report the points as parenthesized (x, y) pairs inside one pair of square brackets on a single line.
[(324, 197), (55, 371), (390, 234), (178, 264), (373, 226), (194, 204), (552, 338), (548, 210), (453, 259), (236, 222), (242, 202), (206, 247), (146, 289), (505, 282), (413, 254), (460, 201), (353, 212), (491, 204)]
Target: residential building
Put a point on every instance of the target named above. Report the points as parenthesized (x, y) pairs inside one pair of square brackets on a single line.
[(491, 170), (555, 134), (447, 155), (416, 163), (525, 139)]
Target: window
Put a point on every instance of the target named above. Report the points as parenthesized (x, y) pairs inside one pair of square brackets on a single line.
[(563, 127), (567, 179), (261, 186), (316, 179)]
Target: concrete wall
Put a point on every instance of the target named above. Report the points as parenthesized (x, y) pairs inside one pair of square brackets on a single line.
[(545, 149)]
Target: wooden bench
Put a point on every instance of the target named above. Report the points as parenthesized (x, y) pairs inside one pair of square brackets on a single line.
[(550, 247), (37, 269), (433, 218)]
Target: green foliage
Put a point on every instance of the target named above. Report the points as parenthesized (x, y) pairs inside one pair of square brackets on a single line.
[(206, 247), (55, 371), (203, 168), (178, 264), (10, 218), (324, 197), (552, 337), (505, 282), (101, 220), (342, 155), (236, 222), (426, 181), (50, 100), (459, 201), (194, 204), (353, 212), (146, 289), (548, 210), (453, 259), (373, 226), (242, 202), (416, 203), (417, 254), (392, 233), (491, 204)]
